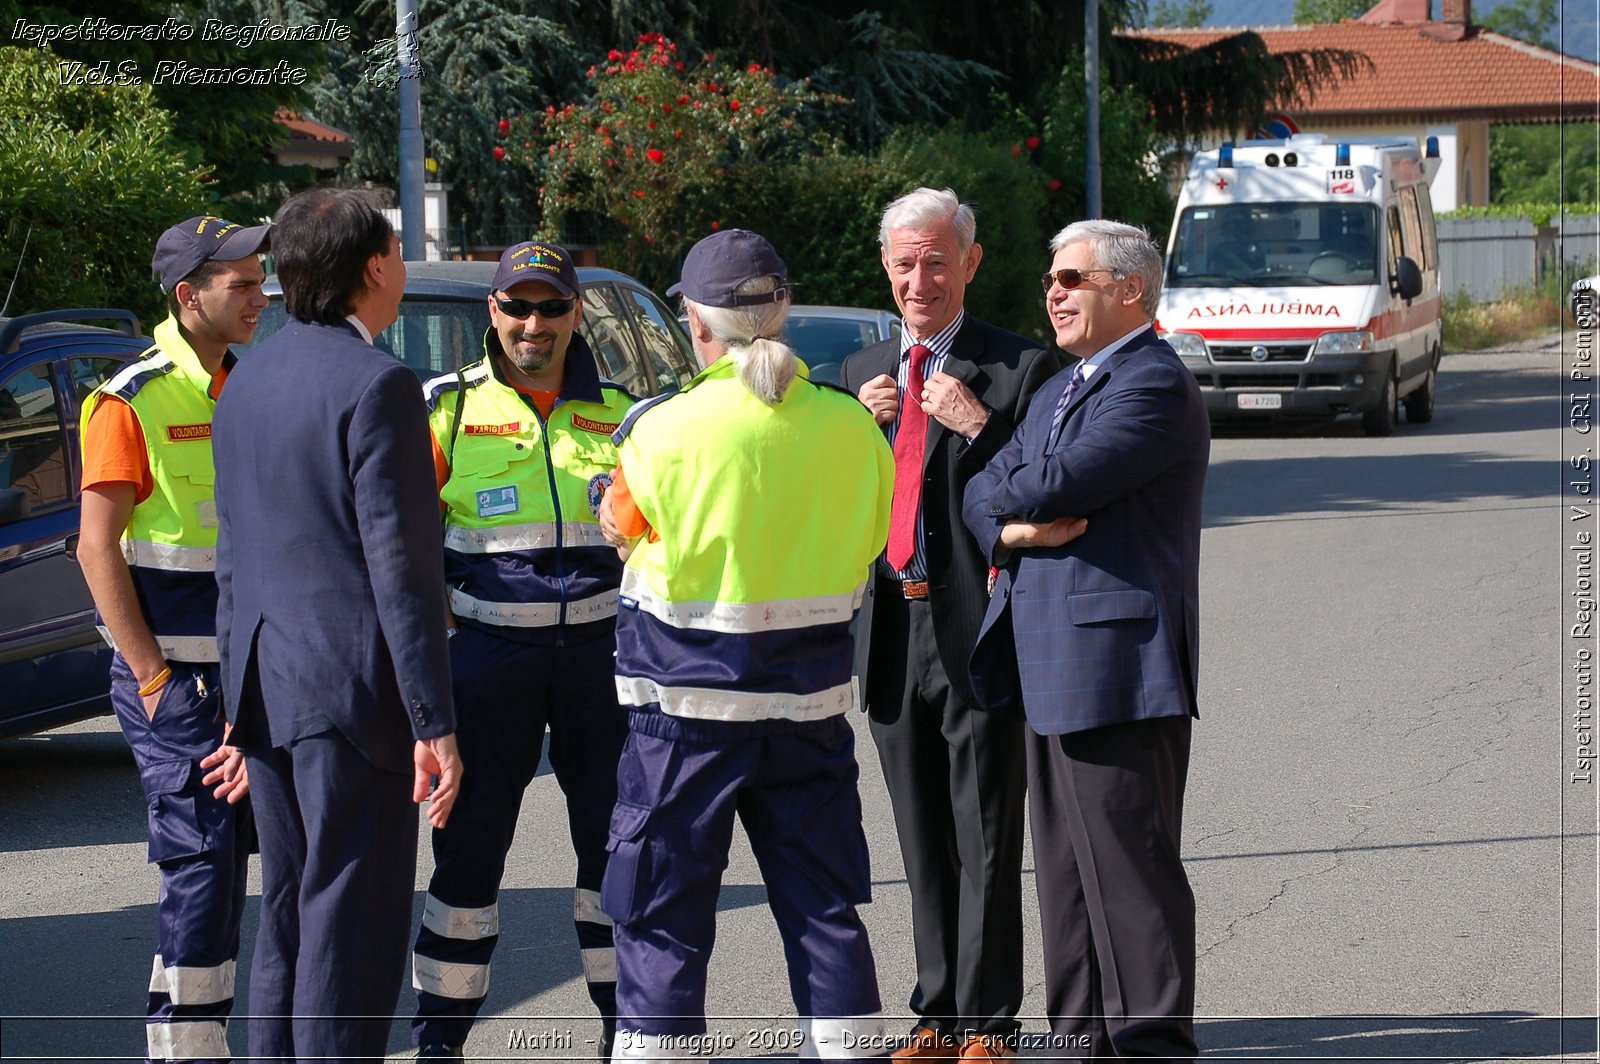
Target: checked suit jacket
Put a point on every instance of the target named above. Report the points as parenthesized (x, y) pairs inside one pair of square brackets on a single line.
[(1105, 629)]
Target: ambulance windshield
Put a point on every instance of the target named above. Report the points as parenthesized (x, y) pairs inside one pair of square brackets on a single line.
[(1271, 245)]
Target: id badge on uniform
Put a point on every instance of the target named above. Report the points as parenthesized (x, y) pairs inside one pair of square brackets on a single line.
[(492, 502), (206, 512)]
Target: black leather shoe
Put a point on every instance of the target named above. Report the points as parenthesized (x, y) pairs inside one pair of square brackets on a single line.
[(440, 1055)]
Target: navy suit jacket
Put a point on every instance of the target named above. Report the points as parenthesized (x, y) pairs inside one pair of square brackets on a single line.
[(330, 567), (1105, 629), (1003, 370)]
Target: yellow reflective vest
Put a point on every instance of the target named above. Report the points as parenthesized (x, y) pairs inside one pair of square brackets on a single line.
[(523, 549), (171, 540), (769, 519)]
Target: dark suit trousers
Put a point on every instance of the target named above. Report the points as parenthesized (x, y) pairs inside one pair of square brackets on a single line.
[(954, 784), (1106, 809), (338, 864)]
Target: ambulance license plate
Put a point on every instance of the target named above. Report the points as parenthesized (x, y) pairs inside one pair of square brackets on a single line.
[(1260, 402)]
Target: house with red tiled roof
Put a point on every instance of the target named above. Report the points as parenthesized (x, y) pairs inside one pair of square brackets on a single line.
[(1447, 79), (306, 142)]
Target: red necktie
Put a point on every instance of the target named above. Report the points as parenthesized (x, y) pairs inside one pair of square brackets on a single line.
[(909, 439)]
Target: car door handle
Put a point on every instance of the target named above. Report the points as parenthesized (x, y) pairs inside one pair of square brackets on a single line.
[(71, 545)]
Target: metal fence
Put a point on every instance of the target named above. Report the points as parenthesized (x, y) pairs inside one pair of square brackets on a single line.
[(437, 243), (1487, 256)]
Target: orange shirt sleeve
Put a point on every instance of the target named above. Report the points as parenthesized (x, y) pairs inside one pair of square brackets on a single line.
[(441, 465), (114, 450), (630, 522)]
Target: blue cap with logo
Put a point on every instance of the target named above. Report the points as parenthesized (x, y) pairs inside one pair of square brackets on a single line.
[(189, 245), (535, 261)]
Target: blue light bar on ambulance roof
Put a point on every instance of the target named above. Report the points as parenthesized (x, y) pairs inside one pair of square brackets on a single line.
[(1341, 155), (1225, 156), (1433, 147)]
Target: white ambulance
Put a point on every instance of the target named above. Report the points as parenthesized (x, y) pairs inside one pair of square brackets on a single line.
[(1303, 279)]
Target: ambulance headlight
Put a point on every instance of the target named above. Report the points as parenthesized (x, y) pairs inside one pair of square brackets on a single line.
[(1187, 344), (1351, 342)]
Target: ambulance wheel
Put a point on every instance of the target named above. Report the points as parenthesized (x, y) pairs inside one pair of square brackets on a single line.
[(1419, 404), (1379, 421)]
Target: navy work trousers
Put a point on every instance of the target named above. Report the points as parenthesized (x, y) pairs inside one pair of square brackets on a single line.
[(792, 784), (202, 846), (506, 692)]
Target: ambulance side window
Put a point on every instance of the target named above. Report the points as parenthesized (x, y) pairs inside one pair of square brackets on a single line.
[(1410, 225), (1430, 237), (1395, 249)]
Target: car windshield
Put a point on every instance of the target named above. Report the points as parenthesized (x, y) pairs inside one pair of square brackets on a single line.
[(823, 341), (1272, 245), (432, 335)]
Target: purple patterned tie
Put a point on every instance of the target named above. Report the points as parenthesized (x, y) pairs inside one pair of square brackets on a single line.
[(1066, 399)]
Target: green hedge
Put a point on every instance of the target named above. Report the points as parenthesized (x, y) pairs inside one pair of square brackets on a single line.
[(1539, 213), (94, 171), (822, 215)]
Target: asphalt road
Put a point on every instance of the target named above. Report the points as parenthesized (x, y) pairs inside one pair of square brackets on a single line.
[(1390, 859)]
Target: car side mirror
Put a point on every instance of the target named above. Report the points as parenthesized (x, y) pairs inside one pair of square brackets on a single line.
[(1407, 278), (13, 505)]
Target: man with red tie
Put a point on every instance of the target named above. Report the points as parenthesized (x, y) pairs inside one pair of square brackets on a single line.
[(948, 394)]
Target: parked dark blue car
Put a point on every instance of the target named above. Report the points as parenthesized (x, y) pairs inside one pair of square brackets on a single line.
[(52, 660)]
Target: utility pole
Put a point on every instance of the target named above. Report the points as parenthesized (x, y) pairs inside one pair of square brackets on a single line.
[(1091, 82), (413, 240)]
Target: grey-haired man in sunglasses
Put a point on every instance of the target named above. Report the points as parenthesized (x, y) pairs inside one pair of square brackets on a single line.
[(1097, 642), (523, 455)]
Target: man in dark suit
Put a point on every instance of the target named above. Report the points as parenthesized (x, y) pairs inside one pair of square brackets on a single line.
[(331, 624), (951, 770), (1098, 641)]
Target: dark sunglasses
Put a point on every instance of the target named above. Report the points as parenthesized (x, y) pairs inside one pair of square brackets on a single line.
[(1068, 279), (522, 308)]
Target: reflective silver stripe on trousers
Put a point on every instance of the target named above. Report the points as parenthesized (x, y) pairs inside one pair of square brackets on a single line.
[(461, 982), (505, 538), (843, 1037), (167, 556), (704, 703), (740, 617), (468, 924), (202, 648), (586, 908), (600, 965), (533, 614), (196, 1040), (193, 986)]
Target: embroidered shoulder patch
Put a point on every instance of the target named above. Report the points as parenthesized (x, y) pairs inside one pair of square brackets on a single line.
[(604, 428)]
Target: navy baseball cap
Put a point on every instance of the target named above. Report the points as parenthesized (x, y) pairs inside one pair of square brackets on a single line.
[(533, 261), (189, 245), (716, 267)]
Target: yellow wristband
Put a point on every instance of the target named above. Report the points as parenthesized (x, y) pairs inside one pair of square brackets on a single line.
[(157, 683)]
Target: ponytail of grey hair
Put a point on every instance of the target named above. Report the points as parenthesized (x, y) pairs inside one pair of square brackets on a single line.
[(766, 365)]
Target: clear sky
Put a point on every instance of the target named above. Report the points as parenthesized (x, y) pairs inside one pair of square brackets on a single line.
[(1576, 36)]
